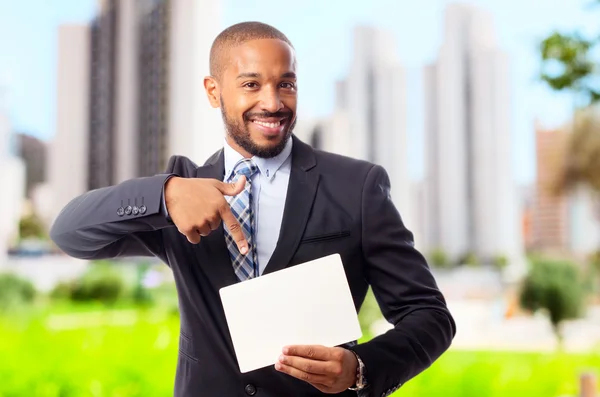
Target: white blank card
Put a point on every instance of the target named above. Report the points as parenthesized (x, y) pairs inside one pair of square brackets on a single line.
[(309, 303)]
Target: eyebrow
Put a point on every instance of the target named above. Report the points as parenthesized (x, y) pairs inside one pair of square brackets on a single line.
[(287, 75)]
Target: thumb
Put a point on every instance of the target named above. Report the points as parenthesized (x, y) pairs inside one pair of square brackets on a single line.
[(233, 188)]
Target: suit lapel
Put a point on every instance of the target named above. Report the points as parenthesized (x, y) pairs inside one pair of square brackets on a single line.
[(304, 179), (216, 262)]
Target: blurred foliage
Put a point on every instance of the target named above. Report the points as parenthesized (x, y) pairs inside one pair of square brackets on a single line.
[(500, 261), (101, 282), (582, 162), (500, 374), (15, 292), (439, 258), (369, 312), (117, 353), (556, 288), (71, 355), (469, 259), (594, 272), (31, 226), (569, 63)]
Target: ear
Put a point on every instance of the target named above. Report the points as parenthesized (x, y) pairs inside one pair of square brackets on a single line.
[(211, 86)]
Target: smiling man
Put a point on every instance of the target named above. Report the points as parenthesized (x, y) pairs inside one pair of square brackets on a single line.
[(264, 202)]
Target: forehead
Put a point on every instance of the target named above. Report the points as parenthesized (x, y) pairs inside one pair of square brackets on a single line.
[(264, 56)]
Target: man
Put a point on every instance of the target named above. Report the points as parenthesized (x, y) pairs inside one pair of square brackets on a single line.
[(264, 202)]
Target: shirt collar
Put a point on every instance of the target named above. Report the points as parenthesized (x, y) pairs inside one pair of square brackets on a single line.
[(268, 167)]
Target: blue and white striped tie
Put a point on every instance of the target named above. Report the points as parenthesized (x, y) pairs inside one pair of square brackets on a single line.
[(245, 266)]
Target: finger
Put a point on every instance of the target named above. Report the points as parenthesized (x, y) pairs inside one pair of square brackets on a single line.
[(315, 379), (234, 227), (316, 367), (204, 230), (193, 236), (214, 223), (233, 188), (314, 352)]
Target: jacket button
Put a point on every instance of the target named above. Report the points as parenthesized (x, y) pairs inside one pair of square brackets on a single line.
[(142, 209), (250, 389), (135, 210), (120, 211), (128, 210)]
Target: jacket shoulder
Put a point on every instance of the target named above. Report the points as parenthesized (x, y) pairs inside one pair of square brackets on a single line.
[(181, 165), (341, 164)]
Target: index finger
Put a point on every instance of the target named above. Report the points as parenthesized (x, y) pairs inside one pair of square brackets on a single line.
[(315, 352), (234, 228)]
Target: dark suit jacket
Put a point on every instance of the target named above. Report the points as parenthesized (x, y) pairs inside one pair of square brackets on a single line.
[(334, 205)]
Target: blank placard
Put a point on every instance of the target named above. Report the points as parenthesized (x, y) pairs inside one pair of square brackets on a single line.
[(309, 303)]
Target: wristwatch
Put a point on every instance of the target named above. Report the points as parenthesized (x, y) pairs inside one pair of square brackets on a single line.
[(361, 374)]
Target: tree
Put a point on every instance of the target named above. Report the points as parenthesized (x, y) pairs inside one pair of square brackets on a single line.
[(568, 64), (557, 289)]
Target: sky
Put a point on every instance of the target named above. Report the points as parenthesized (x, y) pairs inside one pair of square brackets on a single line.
[(322, 35)]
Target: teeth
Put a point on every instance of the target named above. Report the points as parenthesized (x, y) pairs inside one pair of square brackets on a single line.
[(269, 125)]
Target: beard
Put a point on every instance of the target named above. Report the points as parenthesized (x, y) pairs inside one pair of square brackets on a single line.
[(241, 134)]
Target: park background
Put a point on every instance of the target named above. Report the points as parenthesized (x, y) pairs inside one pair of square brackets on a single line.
[(484, 113)]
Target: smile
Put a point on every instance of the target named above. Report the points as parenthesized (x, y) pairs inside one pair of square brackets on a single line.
[(269, 124)]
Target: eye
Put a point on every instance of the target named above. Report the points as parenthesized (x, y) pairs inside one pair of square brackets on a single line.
[(251, 85), (288, 85)]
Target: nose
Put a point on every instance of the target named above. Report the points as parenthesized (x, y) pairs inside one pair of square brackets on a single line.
[(270, 100)]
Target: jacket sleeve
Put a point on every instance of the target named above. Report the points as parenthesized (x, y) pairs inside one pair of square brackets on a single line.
[(116, 221), (406, 292)]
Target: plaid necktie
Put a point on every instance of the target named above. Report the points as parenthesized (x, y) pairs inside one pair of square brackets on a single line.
[(245, 266)]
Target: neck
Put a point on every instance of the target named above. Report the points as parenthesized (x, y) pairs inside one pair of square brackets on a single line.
[(237, 147)]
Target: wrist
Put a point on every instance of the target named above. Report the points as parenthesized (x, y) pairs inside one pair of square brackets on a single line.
[(360, 381), (170, 189)]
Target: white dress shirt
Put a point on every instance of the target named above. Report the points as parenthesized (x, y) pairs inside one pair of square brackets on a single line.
[(269, 192)]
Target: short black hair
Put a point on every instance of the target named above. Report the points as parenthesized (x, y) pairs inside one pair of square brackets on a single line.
[(238, 34)]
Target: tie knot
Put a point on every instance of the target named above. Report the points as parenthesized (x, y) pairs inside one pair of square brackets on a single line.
[(245, 167)]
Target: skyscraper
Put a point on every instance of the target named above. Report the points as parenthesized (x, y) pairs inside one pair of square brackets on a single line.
[(101, 130), (471, 196), (144, 61), (369, 121), (68, 155)]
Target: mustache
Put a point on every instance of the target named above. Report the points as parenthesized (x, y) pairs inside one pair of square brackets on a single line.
[(278, 114)]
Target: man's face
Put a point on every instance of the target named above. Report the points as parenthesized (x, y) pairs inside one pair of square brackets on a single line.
[(257, 95)]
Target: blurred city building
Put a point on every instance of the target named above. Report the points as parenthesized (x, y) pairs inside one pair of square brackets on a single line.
[(12, 177), (563, 223), (33, 152), (550, 209), (70, 147), (471, 199), (131, 94), (369, 118)]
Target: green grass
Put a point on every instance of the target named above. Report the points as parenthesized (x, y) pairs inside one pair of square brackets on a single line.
[(120, 358), (501, 374), (131, 353)]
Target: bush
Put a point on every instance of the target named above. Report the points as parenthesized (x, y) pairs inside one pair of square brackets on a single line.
[(500, 262), (15, 291), (32, 227), (469, 259), (555, 287), (101, 283), (439, 258)]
